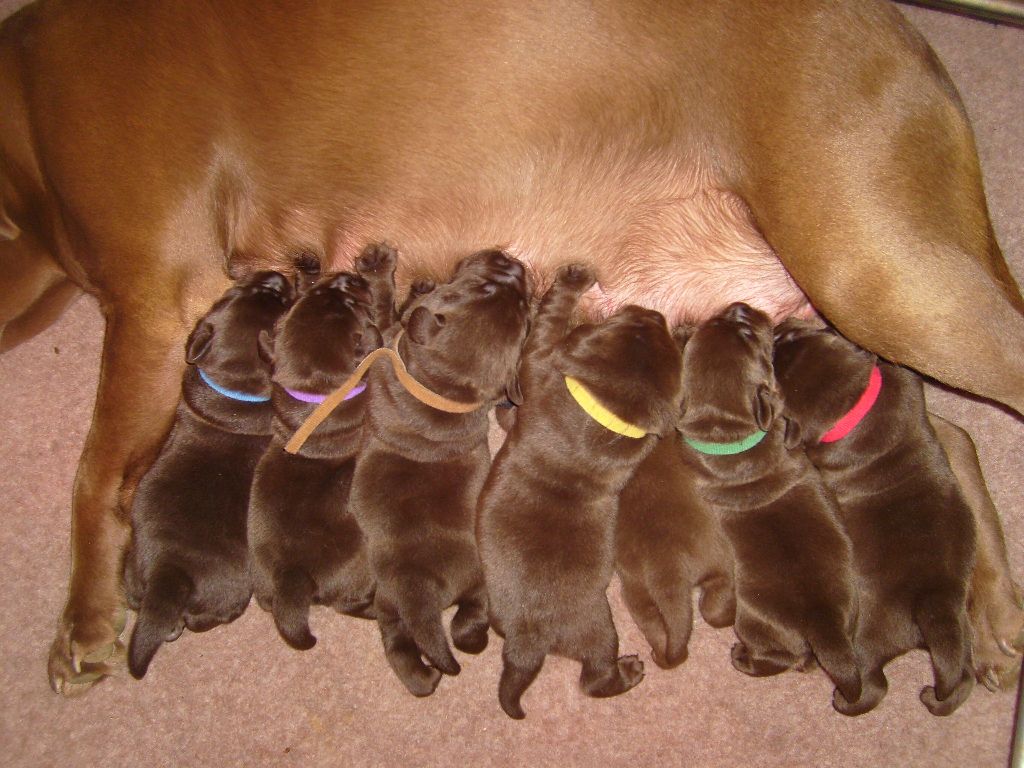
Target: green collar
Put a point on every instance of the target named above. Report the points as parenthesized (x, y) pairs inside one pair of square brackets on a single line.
[(727, 449)]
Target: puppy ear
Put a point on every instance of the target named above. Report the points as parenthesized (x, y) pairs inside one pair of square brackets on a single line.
[(766, 406), (198, 343), (265, 344), (793, 437), (371, 340), (423, 325)]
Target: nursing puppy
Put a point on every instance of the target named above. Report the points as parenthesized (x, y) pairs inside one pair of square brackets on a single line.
[(864, 425), (668, 542), (420, 472), (305, 543), (794, 574), (188, 565), (547, 512)]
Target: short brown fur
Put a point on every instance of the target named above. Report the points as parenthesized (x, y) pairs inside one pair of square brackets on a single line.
[(189, 564), (668, 542), (307, 548), (665, 138)]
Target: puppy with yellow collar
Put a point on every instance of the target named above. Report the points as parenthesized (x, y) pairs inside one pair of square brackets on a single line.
[(593, 401)]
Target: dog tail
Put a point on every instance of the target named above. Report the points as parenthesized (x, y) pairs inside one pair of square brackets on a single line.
[(293, 594), (160, 616), (419, 605)]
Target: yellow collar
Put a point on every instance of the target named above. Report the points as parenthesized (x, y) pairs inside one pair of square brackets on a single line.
[(598, 412)]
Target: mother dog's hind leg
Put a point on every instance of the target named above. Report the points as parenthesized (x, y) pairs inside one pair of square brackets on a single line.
[(138, 389), (874, 203)]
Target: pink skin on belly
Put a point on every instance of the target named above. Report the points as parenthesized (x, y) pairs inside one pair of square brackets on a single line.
[(671, 240)]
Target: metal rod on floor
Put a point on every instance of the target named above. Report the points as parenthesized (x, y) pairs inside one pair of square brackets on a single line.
[(1001, 11), (1017, 755)]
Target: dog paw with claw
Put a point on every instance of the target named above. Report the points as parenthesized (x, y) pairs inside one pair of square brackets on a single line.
[(82, 655), (998, 628)]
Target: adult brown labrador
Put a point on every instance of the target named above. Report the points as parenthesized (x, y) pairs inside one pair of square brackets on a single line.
[(694, 153)]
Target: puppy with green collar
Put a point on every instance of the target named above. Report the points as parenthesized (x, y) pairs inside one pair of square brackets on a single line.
[(796, 598)]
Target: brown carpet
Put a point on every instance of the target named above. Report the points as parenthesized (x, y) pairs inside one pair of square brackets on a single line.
[(239, 696)]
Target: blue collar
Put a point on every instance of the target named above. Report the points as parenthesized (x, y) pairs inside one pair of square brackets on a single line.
[(245, 397)]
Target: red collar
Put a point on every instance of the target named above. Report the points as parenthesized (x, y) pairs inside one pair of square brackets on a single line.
[(853, 417)]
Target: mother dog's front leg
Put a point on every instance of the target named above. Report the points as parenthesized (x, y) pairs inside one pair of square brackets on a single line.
[(138, 389)]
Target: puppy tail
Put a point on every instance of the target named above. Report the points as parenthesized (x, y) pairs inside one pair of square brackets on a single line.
[(419, 605), (160, 616), (293, 594)]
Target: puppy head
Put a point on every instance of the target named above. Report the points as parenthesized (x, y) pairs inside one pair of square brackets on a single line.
[(729, 388), (631, 365), (225, 342), (325, 335), (469, 331), (821, 376)]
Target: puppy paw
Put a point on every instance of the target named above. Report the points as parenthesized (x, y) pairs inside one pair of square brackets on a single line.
[(85, 652), (377, 259), (631, 670), (671, 661), (949, 705), (422, 683), (470, 639), (578, 277), (421, 287), (773, 663)]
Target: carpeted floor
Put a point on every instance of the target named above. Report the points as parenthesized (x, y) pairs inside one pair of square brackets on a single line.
[(239, 696)]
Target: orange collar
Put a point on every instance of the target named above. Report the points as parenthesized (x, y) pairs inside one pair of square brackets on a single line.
[(413, 387)]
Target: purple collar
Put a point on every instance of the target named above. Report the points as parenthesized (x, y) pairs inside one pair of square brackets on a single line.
[(309, 397)]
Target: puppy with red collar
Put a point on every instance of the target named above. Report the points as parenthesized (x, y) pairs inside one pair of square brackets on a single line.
[(863, 424)]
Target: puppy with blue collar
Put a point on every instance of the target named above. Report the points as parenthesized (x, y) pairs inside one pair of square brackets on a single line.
[(189, 564)]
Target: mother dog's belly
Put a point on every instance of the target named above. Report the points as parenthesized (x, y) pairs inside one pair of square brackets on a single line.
[(675, 242)]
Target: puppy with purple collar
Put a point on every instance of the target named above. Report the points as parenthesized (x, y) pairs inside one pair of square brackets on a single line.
[(307, 548), (863, 424), (189, 564)]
